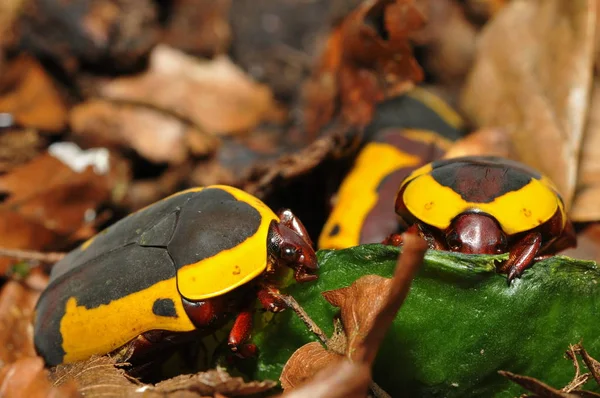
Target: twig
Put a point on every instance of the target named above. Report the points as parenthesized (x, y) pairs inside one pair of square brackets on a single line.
[(310, 324), (48, 257)]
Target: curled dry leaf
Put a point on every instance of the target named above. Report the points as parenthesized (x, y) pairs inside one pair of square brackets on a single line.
[(158, 136), (368, 307), (199, 27), (28, 93), (215, 95), (537, 387), (18, 146), (17, 302), (49, 203), (359, 303), (360, 67), (585, 204), (533, 77), (99, 377), (28, 378), (448, 41), (592, 364), (118, 32)]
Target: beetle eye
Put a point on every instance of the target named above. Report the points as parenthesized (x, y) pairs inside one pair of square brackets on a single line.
[(288, 253), (454, 243)]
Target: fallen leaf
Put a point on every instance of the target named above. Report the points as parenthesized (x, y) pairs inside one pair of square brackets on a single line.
[(158, 136), (17, 302), (532, 76), (99, 376), (587, 194), (27, 377), (592, 364), (28, 93), (537, 387), (359, 303), (215, 381), (367, 59), (368, 307), (447, 42), (9, 11), (199, 27), (18, 146), (47, 202), (115, 34), (215, 95)]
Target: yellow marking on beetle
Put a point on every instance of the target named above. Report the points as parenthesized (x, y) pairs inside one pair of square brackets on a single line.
[(437, 105), (358, 193), (230, 268), (537, 200), (119, 321), (429, 137), (87, 243)]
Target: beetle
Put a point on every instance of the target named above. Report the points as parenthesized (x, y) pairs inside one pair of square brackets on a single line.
[(406, 132), (185, 263), (486, 205)]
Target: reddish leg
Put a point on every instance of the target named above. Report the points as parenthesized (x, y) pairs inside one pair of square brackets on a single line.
[(522, 255), (434, 241), (292, 222), (269, 302), (240, 333)]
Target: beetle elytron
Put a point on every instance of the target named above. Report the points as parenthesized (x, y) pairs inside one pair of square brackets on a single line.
[(182, 264)]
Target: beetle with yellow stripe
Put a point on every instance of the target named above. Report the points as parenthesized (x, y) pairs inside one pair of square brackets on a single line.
[(406, 132), (186, 263), (485, 205)]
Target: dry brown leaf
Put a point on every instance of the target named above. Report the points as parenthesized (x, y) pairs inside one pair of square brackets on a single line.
[(215, 95), (359, 303), (533, 77), (592, 364), (587, 196), (99, 377), (364, 327), (49, 203), (448, 42), (541, 389), (17, 302), (28, 378), (116, 34), (490, 141), (159, 137), (18, 146), (215, 381), (359, 67), (30, 96), (199, 27)]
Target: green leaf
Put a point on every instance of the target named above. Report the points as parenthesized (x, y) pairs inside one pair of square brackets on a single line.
[(460, 324)]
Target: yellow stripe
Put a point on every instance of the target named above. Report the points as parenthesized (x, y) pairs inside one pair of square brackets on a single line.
[(515, 211), (358, 193), (438, 106), (231, 268), (105, 328)]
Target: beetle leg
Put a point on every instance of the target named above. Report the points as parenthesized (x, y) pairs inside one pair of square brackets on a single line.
[(433, 241), (522, 255), (240, 333), (270, 302), (396, 239), (292, 222)]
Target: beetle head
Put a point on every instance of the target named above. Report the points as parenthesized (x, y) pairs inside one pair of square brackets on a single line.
[(476, 233), (289, 248)]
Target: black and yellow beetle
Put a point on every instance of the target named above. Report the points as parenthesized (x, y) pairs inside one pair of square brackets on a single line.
[(406, 132), (185, 263), (486, 205)]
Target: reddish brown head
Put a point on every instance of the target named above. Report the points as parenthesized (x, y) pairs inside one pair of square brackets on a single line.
[(474, 233), (288, 247)]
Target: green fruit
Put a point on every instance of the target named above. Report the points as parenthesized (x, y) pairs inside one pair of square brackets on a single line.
[(460, 324)]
